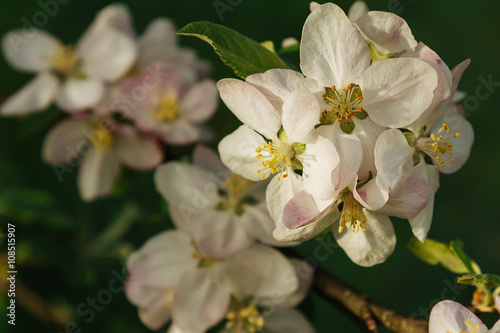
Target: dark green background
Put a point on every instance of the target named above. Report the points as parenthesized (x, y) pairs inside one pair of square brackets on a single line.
[(55, 229)]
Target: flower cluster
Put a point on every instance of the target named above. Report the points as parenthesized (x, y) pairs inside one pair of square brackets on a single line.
[(360, 135), (124, 94)]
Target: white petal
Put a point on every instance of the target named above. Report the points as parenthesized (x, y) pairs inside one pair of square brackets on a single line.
[(397, 91), (106, 52), (218, 235), (157, 315), (372, 246), (278, 193), (116, 15), (357, 10), (287, 320), (162, 262), (37, 95), (305, 272), (158, 41), (237, 152), (319, 160), (451, 316), (139, 153), (393, 159), (456, 73), (250, 106), (200, 102), (97, 173), (301, 113), (180, 132), (421, 223), (199, 302), (77, 94), (259, 271), (29, 50), (65, 142), (367, 132), (387, 32), (495, 328), (259, 224), (332, 50), (185, 184), (205, 158), (370, 195)]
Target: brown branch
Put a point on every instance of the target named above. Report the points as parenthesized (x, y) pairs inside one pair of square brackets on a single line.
[(364, 308)]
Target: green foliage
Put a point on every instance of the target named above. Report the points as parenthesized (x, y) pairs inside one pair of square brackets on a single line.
[(244, 55), (489, 281)]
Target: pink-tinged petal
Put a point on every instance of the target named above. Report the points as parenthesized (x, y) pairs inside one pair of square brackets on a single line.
[(319, 160), (300, 210), (442, 91), (393, 159), (371, 246), (387, 32), (279, 192), (35, 96), (313, 6), (370, 195), (250, 106), (158, 41), (497, 303), (162, 262), (97, 173), (66, 141), (397, 91), (106, 53), (287, 320), (199, 302), (188, 185), (205, 158), (457, 73), (461, 145), (200, 102), (410, 201), (421, 223), (305, 272), (78, 94), (116, 15), (259, 224), (155, 316), (258, 271), (29, 50), (332, 50), (139, 153), (301, 113), (180, 132), (237, 152), (449, 316), (350, 151), (279, 84), (357, 10), (218, 235), (367, 132)]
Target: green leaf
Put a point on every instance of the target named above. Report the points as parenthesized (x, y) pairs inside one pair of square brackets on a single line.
[(434, 253), (489, 281), (289, 49), (455, 247), (244, 55)]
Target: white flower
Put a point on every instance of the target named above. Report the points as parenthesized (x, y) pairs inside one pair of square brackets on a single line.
[(393, 92), (453, 317), (73, 76), (225, 212), (357, 10), (171, 278), (101, 148)]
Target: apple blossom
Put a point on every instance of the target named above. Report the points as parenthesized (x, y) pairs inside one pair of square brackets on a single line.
[(225, 212), (72, 76), (171, 278), (452, 317), (101, 148)]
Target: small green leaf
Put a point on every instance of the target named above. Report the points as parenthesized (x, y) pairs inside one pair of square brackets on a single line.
[(434, 253), (455, 247), (244, 55), (489, 281)]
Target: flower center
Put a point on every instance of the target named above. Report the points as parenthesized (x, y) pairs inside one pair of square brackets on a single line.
[(167, 109), (233, 192), (437, 145), (342, 106), (352, 214), (64, 60), (203, 261), (102, 139), (245, 320), (278, 158)]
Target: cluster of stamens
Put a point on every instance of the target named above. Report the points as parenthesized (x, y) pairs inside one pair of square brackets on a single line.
[(277, 159), (473, 328), (245, 320), (102, 138), (235, 188), (203, 261), (64, 60), (437, 145), (167, 109), (344, 102), (352, 214)]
